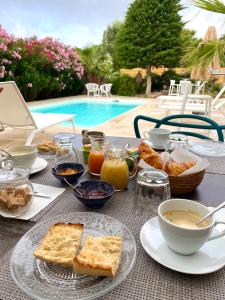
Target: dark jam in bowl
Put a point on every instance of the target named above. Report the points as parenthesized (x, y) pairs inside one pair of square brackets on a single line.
[(95, 194)]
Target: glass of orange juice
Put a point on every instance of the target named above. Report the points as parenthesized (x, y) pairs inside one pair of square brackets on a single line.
[(97, 155), (115, 169)]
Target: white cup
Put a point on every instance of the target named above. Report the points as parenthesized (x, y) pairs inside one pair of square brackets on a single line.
[(158, 136), (23, 156), (183, 240)]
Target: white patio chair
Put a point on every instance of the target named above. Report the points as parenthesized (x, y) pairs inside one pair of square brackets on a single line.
[(92, 88), (179, 97), (14, 113), (178, 102), (199, 87), (203, 103), (215, 105), (174, 89), (183, 86), (105, 89)]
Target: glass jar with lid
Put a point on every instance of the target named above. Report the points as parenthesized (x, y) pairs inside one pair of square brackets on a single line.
[(16, 191)]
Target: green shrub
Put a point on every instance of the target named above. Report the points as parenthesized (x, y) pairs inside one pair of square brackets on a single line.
[(42, 68), (212, 87), (171, 75), (157, 82), (127, 86), (124, 86)]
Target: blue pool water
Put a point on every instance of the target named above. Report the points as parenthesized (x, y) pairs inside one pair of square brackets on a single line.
[(88, 113)]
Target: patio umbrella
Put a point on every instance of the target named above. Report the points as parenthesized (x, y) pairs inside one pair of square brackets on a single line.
[(210, 35)]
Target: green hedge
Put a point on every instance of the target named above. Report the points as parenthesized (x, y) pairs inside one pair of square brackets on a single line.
[(124, 86), (42, 68), (127, 86)]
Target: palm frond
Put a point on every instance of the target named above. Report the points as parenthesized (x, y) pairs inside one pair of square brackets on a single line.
[(212, 5), (203, 56)]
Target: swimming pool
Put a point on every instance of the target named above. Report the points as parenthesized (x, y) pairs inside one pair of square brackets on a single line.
[(89, 113)]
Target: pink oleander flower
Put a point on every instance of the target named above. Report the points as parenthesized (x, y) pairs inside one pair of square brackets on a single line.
[(16, 55), (7, 38), (6, 61), (61, 56), (3, 47), (30, 85), (10, 73)]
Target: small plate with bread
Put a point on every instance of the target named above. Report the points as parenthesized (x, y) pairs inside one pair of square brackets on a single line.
[(48, 149), (73, 256)]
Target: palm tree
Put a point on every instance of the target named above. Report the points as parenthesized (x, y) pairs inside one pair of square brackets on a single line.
[(202, 57)]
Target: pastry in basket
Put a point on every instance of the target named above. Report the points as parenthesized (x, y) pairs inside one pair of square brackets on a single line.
[(173, 168), (150, 156), (60, 244), (100, 256)]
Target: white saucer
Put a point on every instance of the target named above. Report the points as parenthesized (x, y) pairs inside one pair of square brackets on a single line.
[(149, 142), (210, 258), (208, 148), (39, 165)]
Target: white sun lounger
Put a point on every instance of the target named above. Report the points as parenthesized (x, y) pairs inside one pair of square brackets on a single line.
[(14, 113), (197, 103)]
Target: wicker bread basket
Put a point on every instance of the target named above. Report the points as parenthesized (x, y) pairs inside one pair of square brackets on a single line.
[(185, 184)]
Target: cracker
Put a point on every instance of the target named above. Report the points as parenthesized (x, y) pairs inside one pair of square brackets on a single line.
[(60, 244)]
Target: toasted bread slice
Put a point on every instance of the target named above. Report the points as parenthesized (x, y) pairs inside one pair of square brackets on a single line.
[(60, 244), (100, 256)]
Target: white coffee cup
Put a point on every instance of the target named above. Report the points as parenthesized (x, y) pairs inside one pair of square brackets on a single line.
[(23, 156), (158, 136), (183, 240)]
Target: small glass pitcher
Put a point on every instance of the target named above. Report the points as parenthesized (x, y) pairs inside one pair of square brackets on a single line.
[(97, 154), (115, 167)]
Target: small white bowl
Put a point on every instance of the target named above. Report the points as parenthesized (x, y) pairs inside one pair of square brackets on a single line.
[(23, 156)]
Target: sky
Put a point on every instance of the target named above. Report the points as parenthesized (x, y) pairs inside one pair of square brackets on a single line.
[(82, 22)]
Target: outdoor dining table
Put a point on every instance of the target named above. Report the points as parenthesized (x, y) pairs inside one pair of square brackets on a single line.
[(147, 279)]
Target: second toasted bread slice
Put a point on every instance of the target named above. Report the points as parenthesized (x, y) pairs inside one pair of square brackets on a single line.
[(100, 256), (60, 244)]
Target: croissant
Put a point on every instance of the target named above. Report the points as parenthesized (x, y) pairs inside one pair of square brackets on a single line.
[(173, 168), (150, 156)]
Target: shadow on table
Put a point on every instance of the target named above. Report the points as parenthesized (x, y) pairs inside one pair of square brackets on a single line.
[(11, 231)]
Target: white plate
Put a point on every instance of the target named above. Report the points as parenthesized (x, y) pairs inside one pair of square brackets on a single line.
[(149, 142), (210, 258), (208, 148), (39, 165)]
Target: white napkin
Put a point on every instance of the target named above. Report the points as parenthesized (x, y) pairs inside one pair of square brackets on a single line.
[(181, 155), (38, 203)]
